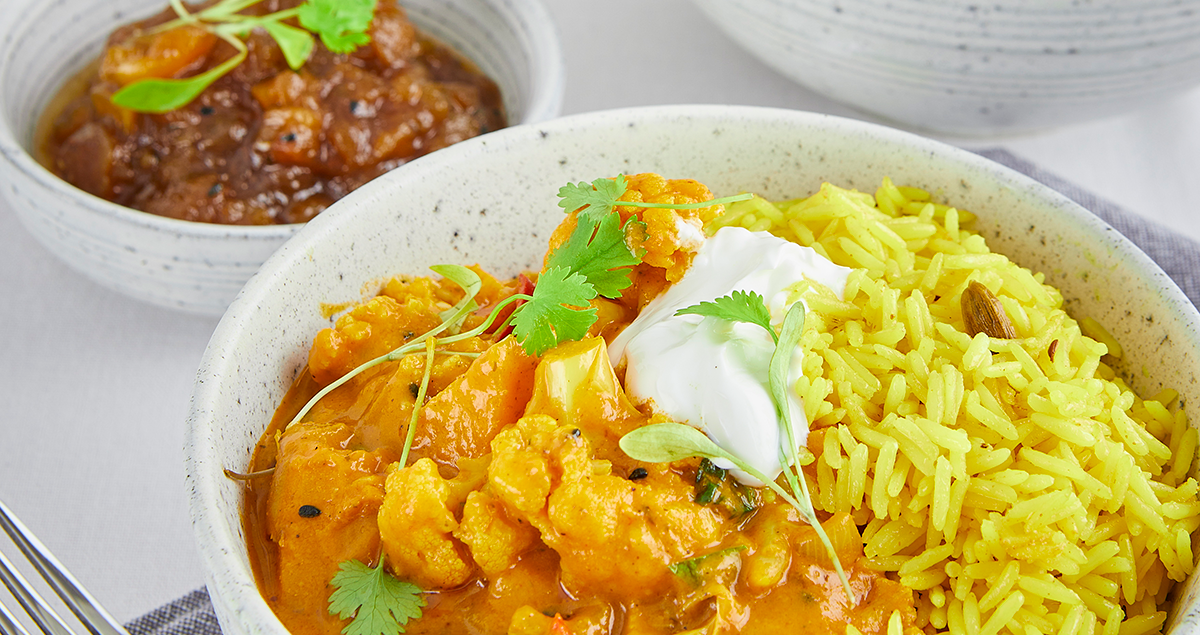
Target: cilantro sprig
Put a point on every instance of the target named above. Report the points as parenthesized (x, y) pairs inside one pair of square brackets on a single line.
[(738, 306), (600, 197), (594, 260), (378, 603), (341, 24), (667, 442)]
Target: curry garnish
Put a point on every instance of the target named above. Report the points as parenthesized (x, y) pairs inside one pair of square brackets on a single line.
[(738, 306), (674, 441), (594, 260), (600, 197), (341, 24), (379, 603), (713, 488)]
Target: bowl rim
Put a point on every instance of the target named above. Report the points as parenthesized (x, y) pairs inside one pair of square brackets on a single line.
[(203, 476), (547, 69)]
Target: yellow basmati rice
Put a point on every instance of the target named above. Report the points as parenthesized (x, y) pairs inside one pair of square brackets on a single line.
[(1014, 485)]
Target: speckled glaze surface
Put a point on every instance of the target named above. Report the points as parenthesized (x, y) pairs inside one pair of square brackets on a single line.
[(492, 201), (198, 267), (976, 68)]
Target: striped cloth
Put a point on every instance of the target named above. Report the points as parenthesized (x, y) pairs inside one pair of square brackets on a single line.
[(1178, 255)]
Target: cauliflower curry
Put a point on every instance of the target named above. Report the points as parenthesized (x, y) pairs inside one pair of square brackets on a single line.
[(516, 511)]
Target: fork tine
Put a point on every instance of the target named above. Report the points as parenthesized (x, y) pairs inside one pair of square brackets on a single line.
[(33, 604), (82, 604), (9, 624)]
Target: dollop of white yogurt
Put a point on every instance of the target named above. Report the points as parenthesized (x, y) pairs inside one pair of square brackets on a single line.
[(712, 373)]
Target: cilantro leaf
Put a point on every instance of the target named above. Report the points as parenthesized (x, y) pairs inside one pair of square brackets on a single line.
[(738, 306), (593, 199), (548, 318), (379, 603), (600, 197), (342, 24), (597, 250)]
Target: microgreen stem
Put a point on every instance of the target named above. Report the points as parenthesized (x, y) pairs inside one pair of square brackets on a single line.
[(226, 8), (716, 201), (242, 25), (409, 347), (182, 11), (790, 333), (420, 402)]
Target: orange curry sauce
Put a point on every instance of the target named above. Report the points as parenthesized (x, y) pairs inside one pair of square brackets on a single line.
[(517, 512)]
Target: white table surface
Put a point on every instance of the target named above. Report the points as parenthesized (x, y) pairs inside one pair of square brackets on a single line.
[(94, 387)]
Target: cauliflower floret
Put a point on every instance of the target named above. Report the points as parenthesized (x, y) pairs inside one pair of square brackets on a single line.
[(495, 539), (672, 236), (416, 526), (520, 471), (372, 329), (321, 511), (608, 540)]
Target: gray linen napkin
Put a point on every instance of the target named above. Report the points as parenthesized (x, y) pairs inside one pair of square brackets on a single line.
[(1178, 255)]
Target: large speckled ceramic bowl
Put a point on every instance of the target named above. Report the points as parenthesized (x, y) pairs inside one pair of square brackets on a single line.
[(198, 267), (492, 201), (976, 68)]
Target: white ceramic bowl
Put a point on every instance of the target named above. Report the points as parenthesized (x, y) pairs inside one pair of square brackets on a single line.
[(199, 267), (976, 68), (492, 201)]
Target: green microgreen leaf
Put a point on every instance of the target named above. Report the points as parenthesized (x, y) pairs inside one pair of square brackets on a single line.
[(790, 333), (554, 314), (471, 285), (786, 342), (378, 603), (296, 44), (669, 442), (738, 306), (597, 250), (164, 95), (341, 24)]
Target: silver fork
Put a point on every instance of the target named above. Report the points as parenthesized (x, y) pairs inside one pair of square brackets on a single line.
[(93, 616)]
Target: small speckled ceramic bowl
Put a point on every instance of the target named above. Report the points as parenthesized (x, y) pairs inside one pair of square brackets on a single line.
[(975, 68), (492, 201), (198, 267)]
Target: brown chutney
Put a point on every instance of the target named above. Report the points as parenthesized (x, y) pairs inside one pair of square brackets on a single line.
[(264, 144)]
